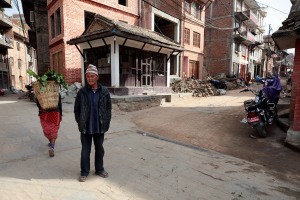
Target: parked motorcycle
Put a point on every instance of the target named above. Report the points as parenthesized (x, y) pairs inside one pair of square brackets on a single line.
[(262, 111), (30, 92)]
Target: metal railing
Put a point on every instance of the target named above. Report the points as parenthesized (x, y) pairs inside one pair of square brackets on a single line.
[(5, 41), (5, 18)]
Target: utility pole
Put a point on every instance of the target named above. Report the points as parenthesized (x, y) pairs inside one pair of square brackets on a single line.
[(267, 63)]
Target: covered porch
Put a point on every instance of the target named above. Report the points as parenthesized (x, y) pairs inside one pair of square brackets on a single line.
[(130, 60)]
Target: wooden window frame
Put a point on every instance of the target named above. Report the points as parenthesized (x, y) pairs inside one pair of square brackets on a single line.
[(57, 22), (52, 24), (187, 35), (57, 61), (196, 39)]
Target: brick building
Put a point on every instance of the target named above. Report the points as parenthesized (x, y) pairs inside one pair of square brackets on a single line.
[(182, 24), (22, 56), (6, 35), (234, 38), (288, 36)]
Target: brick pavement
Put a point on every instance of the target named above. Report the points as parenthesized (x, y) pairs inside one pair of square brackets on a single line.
[(140, 166)]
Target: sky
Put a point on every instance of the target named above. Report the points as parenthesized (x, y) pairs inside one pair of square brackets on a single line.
[(277, 12), (14, 10)]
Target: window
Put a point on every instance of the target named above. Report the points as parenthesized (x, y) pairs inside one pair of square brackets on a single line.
[(237, 47), (58, 23), (236, 24), (52, 26), (197, 12), (20, 65), (18, 46), (244, 50), (57, 61), (238, 6), (196, 39), (13, 81), (187, 6), (122, 2), (31, 16), (88, 18), (187, 36), (55, 22), (2, 58)]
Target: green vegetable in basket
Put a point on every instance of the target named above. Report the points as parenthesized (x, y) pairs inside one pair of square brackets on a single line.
[(50, 75)]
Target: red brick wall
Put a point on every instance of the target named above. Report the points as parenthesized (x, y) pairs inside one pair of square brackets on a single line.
[(295, 99), (218, 41), (72, 19)]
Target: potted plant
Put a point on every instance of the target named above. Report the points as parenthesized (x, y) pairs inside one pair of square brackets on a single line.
[(46, 88)]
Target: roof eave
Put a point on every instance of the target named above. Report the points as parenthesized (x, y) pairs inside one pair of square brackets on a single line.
[(285, 39), (124, 34)]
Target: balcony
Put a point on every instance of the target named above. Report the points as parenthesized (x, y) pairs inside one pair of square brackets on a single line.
[(261, 28), (5, 21), (241, 16), (6, 42), (263, 11), (245, 37), (253, 21), (5, 3)]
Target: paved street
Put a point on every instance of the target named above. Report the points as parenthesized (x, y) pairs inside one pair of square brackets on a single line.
[(141, 165)]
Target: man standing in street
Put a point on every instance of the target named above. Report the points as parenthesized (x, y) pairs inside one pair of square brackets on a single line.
[(92, 111)]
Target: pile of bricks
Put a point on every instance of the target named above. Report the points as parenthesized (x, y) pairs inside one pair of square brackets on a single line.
[(198, 88)]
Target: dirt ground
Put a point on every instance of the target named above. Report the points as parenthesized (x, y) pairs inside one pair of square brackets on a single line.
[(215, 123)]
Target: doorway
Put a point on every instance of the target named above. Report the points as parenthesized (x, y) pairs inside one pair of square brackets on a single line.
[(146, 70)]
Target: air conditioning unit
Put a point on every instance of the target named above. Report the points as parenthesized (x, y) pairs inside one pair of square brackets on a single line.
[(31, 16)]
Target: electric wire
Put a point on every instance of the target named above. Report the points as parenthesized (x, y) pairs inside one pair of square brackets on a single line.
[(21, 18), (272, 8)]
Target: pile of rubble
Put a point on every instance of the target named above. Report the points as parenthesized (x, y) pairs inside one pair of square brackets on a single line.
[(198, 88), (204, 88)]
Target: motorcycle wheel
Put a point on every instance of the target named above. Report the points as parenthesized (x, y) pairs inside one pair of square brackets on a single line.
[(261, 129)]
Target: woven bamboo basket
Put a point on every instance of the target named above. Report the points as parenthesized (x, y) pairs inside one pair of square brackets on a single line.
[(48, 99)]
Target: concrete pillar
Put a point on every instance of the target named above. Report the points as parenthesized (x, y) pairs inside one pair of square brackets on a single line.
[(115, 68)]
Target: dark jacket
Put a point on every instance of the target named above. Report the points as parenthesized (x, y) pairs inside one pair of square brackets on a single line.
[(82, 108)]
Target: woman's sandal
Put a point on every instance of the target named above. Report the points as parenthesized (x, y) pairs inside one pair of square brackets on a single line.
[(51, 152), (102, 173), (82, 178)]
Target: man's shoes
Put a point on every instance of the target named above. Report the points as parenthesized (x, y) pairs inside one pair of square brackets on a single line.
[(102, 173), (82, 178)]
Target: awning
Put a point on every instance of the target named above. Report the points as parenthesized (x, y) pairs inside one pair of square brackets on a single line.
[(289, 32), (110, 28)]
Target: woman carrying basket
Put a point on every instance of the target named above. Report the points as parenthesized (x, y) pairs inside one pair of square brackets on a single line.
[(50, 122)]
